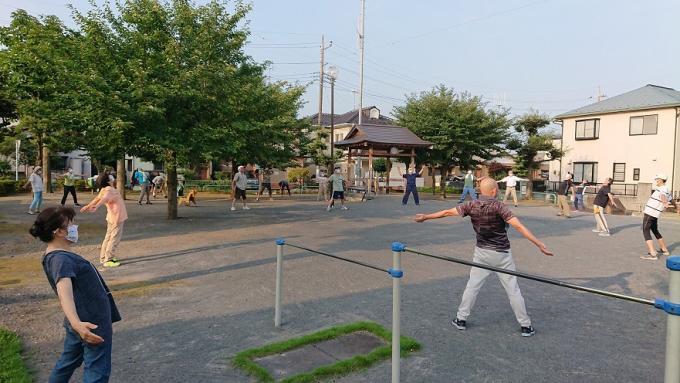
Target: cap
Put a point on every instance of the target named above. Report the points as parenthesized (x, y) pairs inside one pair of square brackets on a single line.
[(660, 176), (37, 168), (241, 167)]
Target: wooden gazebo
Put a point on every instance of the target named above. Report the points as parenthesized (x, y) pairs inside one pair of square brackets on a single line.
[(384, 141)]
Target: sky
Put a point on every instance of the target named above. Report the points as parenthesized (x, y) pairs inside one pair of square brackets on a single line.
[(546, 55)]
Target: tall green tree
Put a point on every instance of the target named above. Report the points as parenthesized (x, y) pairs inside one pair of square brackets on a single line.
[(37, 67), (529, 141), (464, 131)]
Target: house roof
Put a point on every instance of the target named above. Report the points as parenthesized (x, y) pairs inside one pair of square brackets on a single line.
[(648, 97), (351, 117), (382, 135)]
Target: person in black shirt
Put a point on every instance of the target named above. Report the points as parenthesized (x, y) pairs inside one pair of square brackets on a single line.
[(602, 199), (84, 297)]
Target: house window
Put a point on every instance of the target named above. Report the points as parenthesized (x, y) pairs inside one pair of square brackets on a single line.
[(585, 171), (636, 174), (643, 125), (588, 129), (619, 172)]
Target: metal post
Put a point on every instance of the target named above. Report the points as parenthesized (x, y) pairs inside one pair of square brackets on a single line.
[(396, 273), (673, 323), (279, 270)]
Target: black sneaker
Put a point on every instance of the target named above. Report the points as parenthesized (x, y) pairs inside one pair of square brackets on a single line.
[(528, 331), (459, 324)]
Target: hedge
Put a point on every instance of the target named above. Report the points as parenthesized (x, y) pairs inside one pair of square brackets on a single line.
[(9, 186)]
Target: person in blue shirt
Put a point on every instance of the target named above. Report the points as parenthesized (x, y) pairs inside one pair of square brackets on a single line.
[(145, 184), (85, 299), (411, 184)]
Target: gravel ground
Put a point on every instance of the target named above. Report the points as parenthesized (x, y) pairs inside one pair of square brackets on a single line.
[(196, 291)]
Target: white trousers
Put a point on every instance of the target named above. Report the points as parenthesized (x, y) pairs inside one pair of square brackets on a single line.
[(509, 282)]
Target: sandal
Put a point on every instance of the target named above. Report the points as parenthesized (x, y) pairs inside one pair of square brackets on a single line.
[(651, 257)]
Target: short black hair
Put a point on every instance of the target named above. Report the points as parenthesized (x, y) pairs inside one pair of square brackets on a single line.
[(50, 220)]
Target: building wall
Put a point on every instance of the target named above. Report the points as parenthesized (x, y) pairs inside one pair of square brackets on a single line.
[(650, 153)]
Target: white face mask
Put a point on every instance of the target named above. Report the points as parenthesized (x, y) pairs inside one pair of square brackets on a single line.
[(337, 171), (72, 235)]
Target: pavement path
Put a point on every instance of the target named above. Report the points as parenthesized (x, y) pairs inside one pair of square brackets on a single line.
[(196, 291)]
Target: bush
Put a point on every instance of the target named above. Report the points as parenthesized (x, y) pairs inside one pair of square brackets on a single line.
[(10, 186), (222, 175), (81, 185), (189, 174), (297, 174)]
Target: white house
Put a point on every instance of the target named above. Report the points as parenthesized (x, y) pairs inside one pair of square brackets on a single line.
[(630, 138)]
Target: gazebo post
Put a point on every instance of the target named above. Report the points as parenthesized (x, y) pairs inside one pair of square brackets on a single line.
[(388, 162), (370, 170), (349, 162)]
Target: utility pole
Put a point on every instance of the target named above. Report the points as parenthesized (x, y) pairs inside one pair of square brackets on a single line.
[(361, 61), (323, 50)]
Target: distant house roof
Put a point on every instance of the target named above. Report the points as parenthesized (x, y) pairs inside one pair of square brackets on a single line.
[(648, 97), (382, 135), (352, 117)]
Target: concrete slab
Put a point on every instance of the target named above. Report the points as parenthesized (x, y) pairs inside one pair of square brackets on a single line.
[(351, 345), (294, 362), (313, 356)]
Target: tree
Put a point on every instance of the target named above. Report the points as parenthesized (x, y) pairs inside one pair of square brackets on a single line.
[(529, 141), (462, 129), (37, 67), (380, 166)]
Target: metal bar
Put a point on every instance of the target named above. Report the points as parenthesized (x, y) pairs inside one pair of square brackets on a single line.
[(396, 317), (538, 278), (672, 369), (340, 258), (279, 272)]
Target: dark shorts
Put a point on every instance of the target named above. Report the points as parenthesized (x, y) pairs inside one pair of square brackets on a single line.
[(650, 225), (338, 195), (239, 193), (266, 185)]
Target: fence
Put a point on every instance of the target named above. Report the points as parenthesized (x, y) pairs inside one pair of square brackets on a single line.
[(617, 189), (670, 306)]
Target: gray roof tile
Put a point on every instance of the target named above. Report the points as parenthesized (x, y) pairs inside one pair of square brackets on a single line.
[(648, 97), (384, 135)]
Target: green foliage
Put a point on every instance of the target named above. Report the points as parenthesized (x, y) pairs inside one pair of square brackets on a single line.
[(188, 174), (220, 175), (528, 142), (12, 367), (244, 360), (10, 186), (459, 125), (298, 174), (380, 166)]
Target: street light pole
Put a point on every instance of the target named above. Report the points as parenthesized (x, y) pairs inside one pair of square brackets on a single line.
[(332, 115), (17, 145)]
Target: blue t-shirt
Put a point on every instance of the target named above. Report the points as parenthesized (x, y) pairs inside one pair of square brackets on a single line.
[(142, 179), (411, 179), (92, 297)]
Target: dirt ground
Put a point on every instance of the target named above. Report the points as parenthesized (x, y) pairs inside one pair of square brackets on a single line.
[(195, 291)]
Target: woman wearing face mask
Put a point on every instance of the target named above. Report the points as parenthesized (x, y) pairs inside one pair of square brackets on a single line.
[(84, 297), (36, 182), (116, 214)]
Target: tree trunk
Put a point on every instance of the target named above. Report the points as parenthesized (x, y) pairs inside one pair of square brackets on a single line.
[(171, 172), (434, 192), (442, 184), (47, 175), (530, 189), (120, 176)]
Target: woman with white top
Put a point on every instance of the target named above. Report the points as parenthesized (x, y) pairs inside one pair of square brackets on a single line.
[(656, 204), (36, 182)]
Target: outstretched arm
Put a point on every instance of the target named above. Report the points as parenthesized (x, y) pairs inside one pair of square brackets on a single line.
[(399, 170), (422, 168), (440, 214), (515, 222)]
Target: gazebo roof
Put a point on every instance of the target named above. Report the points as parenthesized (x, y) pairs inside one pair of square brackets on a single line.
[(382, 136)]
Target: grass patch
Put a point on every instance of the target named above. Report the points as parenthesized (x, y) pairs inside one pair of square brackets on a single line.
[(244, 359), (141, 288), (12, 368)]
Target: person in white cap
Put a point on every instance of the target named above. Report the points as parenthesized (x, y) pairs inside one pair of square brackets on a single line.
[(468, 187), (510, 186), (239, 185), (656, 204), (36, 182)]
